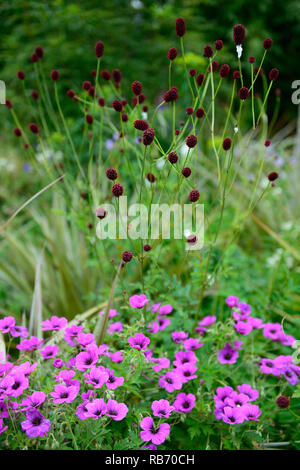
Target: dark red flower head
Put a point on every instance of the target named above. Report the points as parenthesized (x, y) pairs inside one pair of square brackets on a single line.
[(91, 91), (55, 75), (94, 73), (35, 94), (105, 75), (148, 136), (89, 118), (180, 27), (136, 88), (173, 157), (147, 247), (34, 128), (239, 34), (208, 51), (21, 75), (171, 95), (99, 49), (194, 195), (34, 57), (200, 113), (117, 76), (141, 98), (117, 105), (251, 60), (283, 401), (268, 43), (8, 104), (134, 101), (277, 92), (273, 74), (172, 53), (124, 117), (100, 213), (243, 93), (86, 85), (39, 51), (186, 172), (141, 125), (69, 93), (193, 72), (150, 177), (177, 131), (111, 174), (224, 70), (101, 102), (189, 110), (236, 74), (200, 79), (267, 143), (215, 65), (273, 176), (218, 44), (145, 109), (17, 132), (191, 239), (117, 190), (127, 256), (191, 141), (226, 143)]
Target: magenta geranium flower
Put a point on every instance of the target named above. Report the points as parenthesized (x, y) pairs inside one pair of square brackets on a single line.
[(232, 415), (228, 355), (162, 408), (6, 324), (156, 434), (138, 301), (184, 403), (139, 341), (19, 384), (115, 410), (170, 381), (115, 328), (87, 359), (54, 324), (268, 367), (112, 313), (192, 344), (34, 400), (49, 351), (246, 389), (163, 322), (72, 333), (97, 376), (116, 357), (165, 309), (64, 394), (208, 320), (30, 344), (179, 336), (96, 408), (251, 412), (186, 372), (113, 382), (19, 331), (2, 427), (85, 339), (161, 363), (232, 301), (243, 327), (153, 327), (184, 357), (236, 399), (35, 425)]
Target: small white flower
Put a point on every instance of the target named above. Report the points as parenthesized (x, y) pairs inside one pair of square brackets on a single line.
[(239, 50), (236, 129)]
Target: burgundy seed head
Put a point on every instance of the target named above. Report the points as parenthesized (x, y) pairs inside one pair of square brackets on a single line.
[(148, 136), (224, 70), (236, 74), (147, 247), (17, 132), (117, 76), (34, 57), (105, 75), (208, 51), (34, 128), (273, 176), (215, 66), (273, 74), (177, 131), (251, 60), (83, 195), (194, 195), (117, 190), (101, 102), (200, 79), (134, 101), (141, 98), (171, 95), (191, 141), (227, 143), (111, 174), (86, 85), (91, 91), (141, 125), (261, 72), (117, 105), (127, 256), (267, 143), (191, 239), (55, 75), (243, 93), (145, 109), (200, 113), (100, 213), (173, 157), (124, 117), (189, 110), (99, 49), (172, 53), (39, 51), (181, 123), (89, 118), (193, 72), (70, 93), (21, 75), (283, 401), (239, 34), (8, 104), (218, 44), (136, 88), (35, 94), (124, 102), (277, 92), (186, 172), (268, 43), (150, 177), (94, 73), (180, 27), (90, 226)]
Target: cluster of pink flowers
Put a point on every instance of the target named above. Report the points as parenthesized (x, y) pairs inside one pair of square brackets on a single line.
[(235, 407), (281, 366)]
